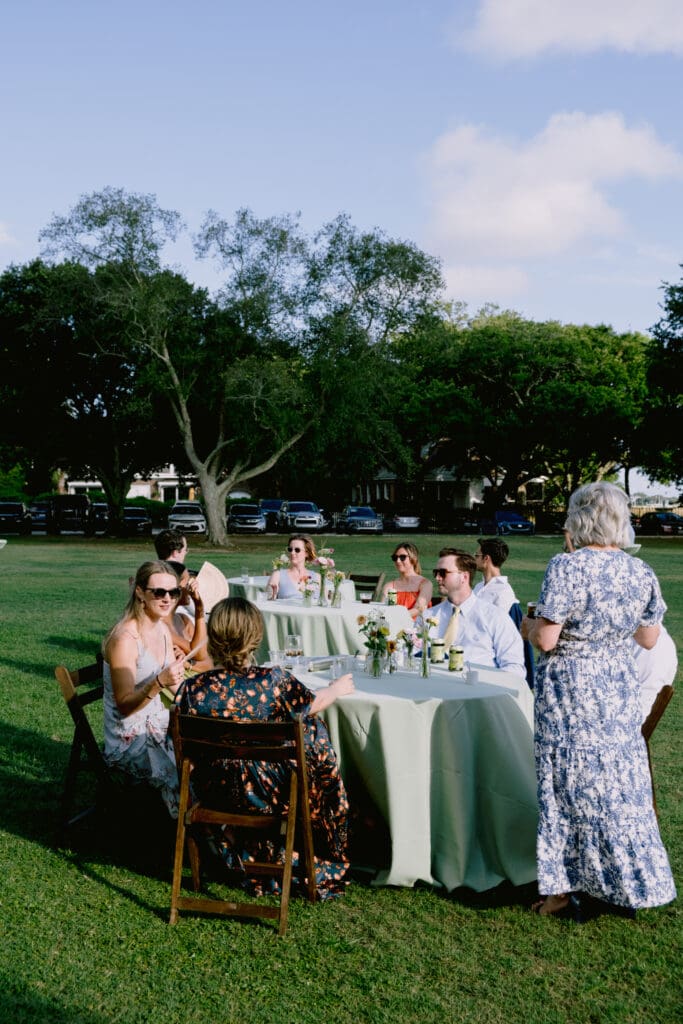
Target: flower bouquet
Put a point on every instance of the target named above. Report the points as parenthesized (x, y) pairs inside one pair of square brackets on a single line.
[(338, 578), (376, 632), (407, 638), (324, 563), (282, 561), (427, 623)]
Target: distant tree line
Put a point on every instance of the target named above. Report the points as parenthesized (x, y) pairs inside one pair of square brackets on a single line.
[(320, 360)]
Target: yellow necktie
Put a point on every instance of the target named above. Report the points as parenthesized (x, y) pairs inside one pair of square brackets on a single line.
[(452, 628)]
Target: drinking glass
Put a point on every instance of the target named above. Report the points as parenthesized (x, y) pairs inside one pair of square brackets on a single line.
[(294, 647)]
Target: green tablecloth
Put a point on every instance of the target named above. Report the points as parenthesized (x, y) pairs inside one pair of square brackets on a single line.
[(256, 585), (450, 768), (323, 630)]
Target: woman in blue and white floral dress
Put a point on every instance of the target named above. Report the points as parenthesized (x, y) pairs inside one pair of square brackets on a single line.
[(597, 832)]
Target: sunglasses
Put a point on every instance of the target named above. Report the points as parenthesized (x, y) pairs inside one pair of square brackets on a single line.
[(442, 573), (160, 592), (398, 558), (294, 549)]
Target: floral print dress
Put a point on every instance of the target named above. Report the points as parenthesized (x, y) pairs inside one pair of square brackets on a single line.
[(272, 694), (597, 831)]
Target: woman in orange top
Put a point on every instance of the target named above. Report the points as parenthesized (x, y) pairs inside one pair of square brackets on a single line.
[(413, 590)]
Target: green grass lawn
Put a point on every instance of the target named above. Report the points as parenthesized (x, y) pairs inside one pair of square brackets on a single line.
[(84, 937)]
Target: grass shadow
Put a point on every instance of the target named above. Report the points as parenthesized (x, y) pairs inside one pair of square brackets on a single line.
[(22, 1006)]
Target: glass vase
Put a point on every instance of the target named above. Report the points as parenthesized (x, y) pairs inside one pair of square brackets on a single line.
[(425, 665), (374, 664), (336, 598), (322, 594)]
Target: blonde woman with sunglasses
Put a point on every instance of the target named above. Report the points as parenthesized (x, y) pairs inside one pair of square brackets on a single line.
[(139, 659), (413, 590), (290, 582)]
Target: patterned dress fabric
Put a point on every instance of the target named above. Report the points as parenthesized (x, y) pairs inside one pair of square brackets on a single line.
[(272, 694), (597, 831), (139, 743)]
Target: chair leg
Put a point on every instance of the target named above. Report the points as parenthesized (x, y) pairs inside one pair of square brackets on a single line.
[(179, 843), (289, 853)]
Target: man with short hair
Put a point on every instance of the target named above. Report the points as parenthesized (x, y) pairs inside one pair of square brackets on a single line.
[(486, 633), (494, 588), (171, 546)]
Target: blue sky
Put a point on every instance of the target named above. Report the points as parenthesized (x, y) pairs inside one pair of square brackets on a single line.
[(535, 146)]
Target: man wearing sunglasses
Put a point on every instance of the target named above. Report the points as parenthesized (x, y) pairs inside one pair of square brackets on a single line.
[(486, 633)]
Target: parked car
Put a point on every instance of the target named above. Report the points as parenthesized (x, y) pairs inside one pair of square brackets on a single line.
[(359, 519), (40, 511), (506, 522), (405, 521), (188, 517), (464, 520), (72, 512), (550, 522), (667, 523), (271, 507), (137, 521), (14, 518), (300, 515), (246, 519), (101, 515)]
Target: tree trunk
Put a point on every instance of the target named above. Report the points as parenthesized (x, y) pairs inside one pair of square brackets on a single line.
[(214, 494)]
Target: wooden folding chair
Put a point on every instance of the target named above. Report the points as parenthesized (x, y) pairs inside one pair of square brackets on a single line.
[(200, 740), (658, 708), (80, 688), (362, 582)]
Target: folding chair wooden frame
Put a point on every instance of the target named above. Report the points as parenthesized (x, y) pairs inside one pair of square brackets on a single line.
[(85, 754), (205, 740), (364, 582), (658, 708)]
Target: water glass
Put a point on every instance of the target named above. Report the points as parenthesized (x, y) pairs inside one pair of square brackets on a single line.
[(245, 574), (294, 647)]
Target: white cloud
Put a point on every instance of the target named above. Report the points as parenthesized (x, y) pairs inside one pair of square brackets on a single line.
[(476, 284), (500, 198), (524, 28), (5, 237)]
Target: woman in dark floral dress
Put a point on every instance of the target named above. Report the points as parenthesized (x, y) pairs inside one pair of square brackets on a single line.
[(238, 690)]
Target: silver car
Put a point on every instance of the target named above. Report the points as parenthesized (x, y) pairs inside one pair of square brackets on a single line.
[(300, 515), (188, 517)]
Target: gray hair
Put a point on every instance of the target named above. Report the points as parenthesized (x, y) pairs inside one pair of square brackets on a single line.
[(599, 514)]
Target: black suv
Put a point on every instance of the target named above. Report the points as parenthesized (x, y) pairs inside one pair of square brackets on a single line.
[(14, 518), (271, 508), (666, 523), (70, 512), (136, 521)]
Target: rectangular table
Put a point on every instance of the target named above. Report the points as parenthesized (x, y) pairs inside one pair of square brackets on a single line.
[(323, 630), (449, 767)]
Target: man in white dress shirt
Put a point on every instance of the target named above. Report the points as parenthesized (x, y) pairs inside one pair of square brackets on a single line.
[(494, 588), (487, 633)]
